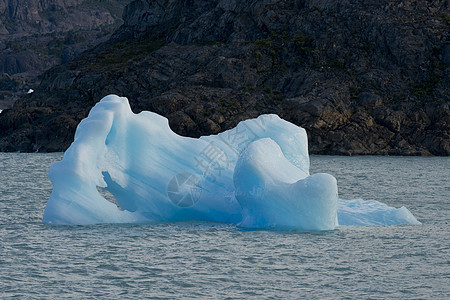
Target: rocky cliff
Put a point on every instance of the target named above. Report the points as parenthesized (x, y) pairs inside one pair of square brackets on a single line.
[(363, 77), (38, 34)]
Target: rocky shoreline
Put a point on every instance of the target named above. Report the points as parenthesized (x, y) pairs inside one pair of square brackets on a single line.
[(362, 77)]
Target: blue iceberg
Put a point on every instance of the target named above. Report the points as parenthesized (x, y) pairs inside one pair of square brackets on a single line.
[(132, 168), (274, 193)]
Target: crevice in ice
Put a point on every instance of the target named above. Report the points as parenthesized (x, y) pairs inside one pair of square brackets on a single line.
[(108, 196)]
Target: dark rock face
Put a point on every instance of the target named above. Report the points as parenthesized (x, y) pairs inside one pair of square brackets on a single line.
[(27, 17), (38, 34), (362, 77)]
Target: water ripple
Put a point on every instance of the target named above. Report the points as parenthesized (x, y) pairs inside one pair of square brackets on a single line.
[(204, 260)]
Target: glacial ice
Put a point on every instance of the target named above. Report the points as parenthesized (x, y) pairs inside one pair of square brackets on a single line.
[(371, 212), (273, 193), (131, 168)]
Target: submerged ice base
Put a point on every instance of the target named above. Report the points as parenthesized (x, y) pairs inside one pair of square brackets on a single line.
[(131, 168)]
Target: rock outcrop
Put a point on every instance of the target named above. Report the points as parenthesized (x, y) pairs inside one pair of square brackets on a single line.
[(363, 77), (38, 34)]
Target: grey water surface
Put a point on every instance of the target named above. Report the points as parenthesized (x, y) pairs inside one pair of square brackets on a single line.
[(210, 260)]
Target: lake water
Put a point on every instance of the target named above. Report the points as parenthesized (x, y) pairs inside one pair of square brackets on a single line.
[(204, 260)]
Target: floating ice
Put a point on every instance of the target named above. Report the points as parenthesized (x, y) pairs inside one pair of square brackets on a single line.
[(274, 193), (154, 174), (131, 168), (371, 212)]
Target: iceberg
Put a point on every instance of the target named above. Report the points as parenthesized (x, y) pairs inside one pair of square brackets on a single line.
[(132, 168), (274, 193), (371, 212)]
